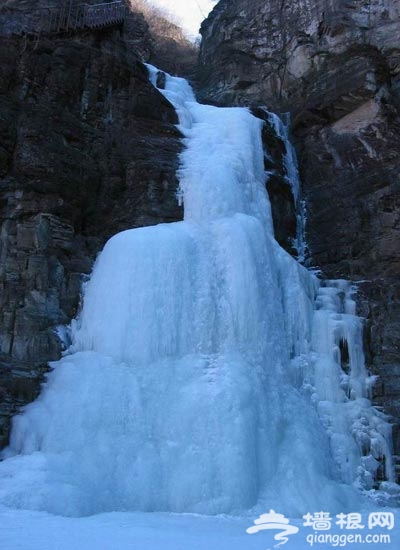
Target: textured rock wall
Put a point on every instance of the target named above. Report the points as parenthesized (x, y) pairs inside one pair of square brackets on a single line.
[(87, 148), (335, 66)]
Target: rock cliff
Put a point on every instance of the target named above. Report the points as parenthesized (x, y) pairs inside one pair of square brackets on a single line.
[(335, 66), (87, 148)]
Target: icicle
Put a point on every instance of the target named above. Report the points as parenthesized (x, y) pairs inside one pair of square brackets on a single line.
[(292, 174)]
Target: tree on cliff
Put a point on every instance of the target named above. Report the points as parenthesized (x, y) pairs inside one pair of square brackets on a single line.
[(172, 50)]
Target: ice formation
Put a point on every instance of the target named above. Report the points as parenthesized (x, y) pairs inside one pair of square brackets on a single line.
[(293, 177), (209, 371)]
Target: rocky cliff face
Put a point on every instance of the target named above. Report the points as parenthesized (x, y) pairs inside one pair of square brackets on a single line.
[(87, 148), (335, 66)]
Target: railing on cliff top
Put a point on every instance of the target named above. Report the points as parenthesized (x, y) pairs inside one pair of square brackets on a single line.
[(71, 16)]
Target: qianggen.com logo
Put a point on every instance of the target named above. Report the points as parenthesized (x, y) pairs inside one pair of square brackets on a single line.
[(322, 521), (355, 528), (344, 539)]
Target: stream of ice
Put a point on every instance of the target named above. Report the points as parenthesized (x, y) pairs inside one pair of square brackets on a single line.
[(209, 371), (292, 174)]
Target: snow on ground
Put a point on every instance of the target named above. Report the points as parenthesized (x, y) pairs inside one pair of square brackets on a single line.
[(26, 530)]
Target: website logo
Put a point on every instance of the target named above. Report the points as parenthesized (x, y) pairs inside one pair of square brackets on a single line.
[(350, 528), (274, 521)]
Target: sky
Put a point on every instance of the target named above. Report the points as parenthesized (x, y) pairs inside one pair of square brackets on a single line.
[(188, 13)]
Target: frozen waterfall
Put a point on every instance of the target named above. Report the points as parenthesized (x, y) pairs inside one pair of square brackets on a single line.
[(209, 371), (292, 175)]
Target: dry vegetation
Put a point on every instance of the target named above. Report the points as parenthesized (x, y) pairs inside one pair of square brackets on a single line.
[(171, 50)]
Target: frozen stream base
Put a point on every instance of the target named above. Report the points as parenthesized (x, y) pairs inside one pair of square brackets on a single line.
[(25, 530)]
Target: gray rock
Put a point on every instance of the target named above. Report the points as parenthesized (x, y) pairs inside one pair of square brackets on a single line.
[(88, 147)]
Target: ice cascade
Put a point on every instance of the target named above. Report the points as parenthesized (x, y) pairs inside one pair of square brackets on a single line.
[(292, 175), (209, 371)]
